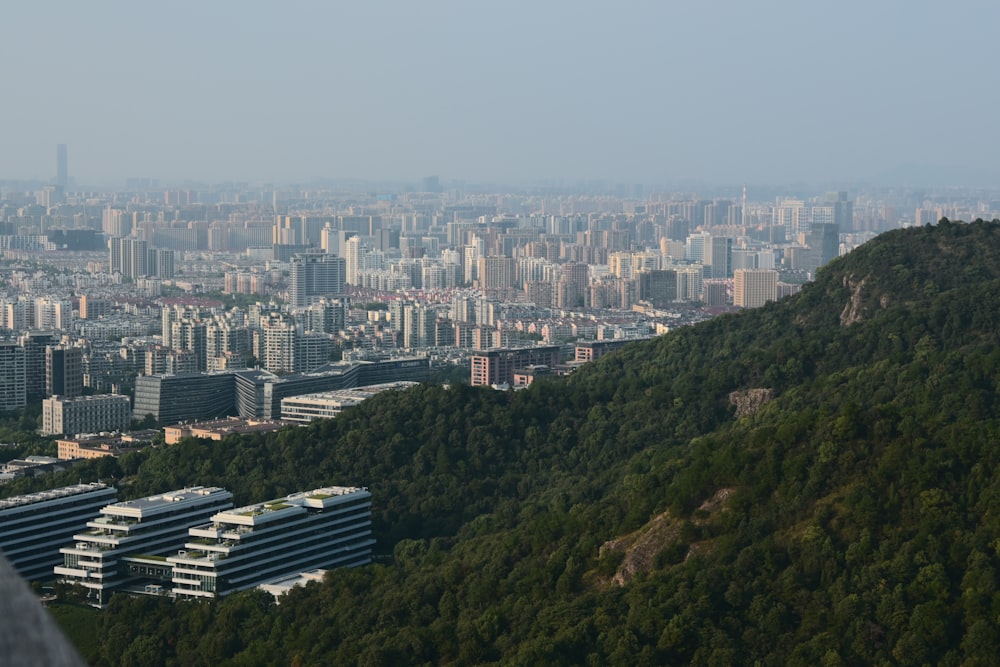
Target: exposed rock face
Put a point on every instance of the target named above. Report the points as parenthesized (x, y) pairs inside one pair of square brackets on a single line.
[(749, 401), (852, 311), (642, 546)]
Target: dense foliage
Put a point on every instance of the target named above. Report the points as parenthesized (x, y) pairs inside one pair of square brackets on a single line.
[(850, 519)]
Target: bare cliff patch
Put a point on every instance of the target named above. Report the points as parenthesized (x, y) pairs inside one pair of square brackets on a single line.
[(749, 401), (664, 533)]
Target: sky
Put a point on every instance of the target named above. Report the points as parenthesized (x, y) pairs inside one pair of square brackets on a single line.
[(517, 92)]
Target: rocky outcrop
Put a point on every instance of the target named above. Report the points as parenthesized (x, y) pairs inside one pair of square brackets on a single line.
[(749, 401)]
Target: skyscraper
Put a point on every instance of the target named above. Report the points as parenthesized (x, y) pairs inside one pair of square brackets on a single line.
[(718, 257)]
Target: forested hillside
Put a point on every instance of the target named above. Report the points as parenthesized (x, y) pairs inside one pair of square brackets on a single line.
[(812, 482)]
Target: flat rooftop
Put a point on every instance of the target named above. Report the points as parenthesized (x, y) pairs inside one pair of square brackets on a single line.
[(262, 512), (162, 501), (53, 494), (354, 394)]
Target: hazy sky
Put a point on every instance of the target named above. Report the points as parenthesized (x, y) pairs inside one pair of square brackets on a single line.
[(509, 91)]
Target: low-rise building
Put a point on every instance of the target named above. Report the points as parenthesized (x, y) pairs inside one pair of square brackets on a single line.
[(33, 526), (86, 414), (98, 446), (245, 547), (124, 547), (496, 367), (326, 404), (220, 428)]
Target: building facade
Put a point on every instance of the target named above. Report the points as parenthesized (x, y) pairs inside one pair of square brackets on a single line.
[(496, 367), (12, 377), (86, 414), (245, 547), (753, 288), (34, 526), (124, 545)]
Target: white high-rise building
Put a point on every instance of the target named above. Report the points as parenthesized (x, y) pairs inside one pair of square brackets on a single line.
[(352, 254)]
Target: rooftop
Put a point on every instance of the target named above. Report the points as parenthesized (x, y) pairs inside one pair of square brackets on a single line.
[(296, 502), (42, 496), (141, 506)]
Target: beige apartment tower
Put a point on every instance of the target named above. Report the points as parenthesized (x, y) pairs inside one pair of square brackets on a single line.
[(753, 288)]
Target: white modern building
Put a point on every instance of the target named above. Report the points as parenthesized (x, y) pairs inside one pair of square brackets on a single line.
[(326, 404), (33, 526), (86, 414), (245, 547), (126, 544)]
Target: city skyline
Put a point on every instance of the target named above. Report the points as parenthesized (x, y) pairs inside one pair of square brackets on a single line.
[(670, 94)]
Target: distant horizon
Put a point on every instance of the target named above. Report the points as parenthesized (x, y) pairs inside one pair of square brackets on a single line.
[(932, 178)]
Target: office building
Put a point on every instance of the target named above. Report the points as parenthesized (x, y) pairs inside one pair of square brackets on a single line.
[(753, 288), (219, 429), (174, 398), (657, 287), (63, 371), (245, 547), (496, 367), (86, 414), (125, 544), (259, 394), (824, 244), (34, 526), (12, 377), (324, 405), (718, 259)]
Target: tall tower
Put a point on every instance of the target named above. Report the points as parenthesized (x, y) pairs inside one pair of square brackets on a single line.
[(743, 213), (62, 168)]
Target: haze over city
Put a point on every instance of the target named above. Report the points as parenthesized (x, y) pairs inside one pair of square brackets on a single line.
[(677, 93)]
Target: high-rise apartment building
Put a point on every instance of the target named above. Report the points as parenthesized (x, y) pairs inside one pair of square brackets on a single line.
[(34, 344), (753, 288), (12, 377), (315, 275), (496, 272), (128, 256)]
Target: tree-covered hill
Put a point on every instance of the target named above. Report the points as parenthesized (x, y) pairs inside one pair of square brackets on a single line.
[(812, 482)]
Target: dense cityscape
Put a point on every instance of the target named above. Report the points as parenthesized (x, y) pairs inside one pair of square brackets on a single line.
[(121, 293)]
